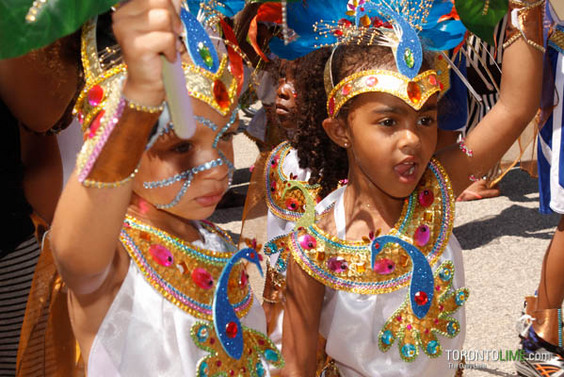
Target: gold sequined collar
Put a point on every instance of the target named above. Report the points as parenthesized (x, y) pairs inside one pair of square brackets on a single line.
[(184, 274), (426, 222)]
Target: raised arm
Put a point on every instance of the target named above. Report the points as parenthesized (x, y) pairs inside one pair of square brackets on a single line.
[(304, 300), (518, 102), (85, 231)]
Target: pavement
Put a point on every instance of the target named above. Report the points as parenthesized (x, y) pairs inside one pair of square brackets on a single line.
[(503, 240)]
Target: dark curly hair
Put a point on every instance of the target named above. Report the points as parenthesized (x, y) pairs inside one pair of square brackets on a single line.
[(316, 151)]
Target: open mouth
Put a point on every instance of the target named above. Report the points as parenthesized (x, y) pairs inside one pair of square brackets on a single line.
[(406, 170)]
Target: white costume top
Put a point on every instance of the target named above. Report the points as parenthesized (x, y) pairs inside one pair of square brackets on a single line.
[(393, 305), (351, 322), (145, 334)]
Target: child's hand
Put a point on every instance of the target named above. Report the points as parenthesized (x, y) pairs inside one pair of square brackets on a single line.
[(145, 29)]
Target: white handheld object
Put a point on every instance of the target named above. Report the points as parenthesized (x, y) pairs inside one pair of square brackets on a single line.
[(178, 100)]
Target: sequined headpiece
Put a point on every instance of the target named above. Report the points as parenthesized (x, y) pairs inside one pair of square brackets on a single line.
[(393, 24), (211, 79)]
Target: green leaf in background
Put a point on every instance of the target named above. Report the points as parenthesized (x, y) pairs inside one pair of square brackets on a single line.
[(56, 19), (481, 16)]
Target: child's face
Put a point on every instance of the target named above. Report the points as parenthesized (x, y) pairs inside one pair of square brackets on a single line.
[(286, 98), (172, 157), (391, 143)]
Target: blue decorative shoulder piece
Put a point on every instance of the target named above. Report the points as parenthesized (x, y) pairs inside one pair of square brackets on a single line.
[(198, 43)]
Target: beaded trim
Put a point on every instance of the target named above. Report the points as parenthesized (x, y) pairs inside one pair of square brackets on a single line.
[(184, 274), (288, 206), (426, 221)]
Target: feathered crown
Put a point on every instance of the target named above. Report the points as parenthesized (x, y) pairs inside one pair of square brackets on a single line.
[(210, 78)]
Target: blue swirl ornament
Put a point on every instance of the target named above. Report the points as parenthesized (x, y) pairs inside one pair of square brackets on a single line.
[(422, 282), (225, 320)]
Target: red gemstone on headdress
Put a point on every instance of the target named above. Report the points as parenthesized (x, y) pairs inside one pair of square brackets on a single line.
[(433, 80), (413, 92), (95, 125), (337, 33), (202, 278), (231, 329), (371, 81), (426, 197), (344, 22), (421, 298), (332, 106), (95, 95), (346, 89), (220, 94)]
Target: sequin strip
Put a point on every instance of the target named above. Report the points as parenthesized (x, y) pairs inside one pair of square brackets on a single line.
[(172, 294), (187, 175)]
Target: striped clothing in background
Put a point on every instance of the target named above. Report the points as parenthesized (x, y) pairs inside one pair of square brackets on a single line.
[(16, 274)]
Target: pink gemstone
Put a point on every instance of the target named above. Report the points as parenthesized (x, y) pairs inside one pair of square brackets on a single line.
[(426, 331), (422, 235), (218, 363), (231, 329), (426, 197), (433, 80), (436, 321), (332, 106), (371, 81), (95, 95), (244, 279), (384, 266), (307, 242), (273, 186), (202, 278), (161, 255), (346, 89), (399, 318), (408, 327), (274, 161), (421, 298), (438, 288), (441, 308), (337, 264)]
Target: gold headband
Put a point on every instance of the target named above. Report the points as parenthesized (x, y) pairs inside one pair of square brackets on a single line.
[(413, 92)]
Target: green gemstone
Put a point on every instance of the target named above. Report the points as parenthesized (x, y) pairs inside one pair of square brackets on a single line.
[(205, 54), (408, 58)]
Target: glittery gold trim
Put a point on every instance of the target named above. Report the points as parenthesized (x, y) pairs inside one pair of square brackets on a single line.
[(284, 202), (355, 256), (178, 282), (256, 346), (414, 333), (413, 92)]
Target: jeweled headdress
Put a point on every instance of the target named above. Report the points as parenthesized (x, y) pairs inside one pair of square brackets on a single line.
[(214, 77)]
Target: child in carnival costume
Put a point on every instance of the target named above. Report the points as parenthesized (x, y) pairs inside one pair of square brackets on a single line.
[(380, 275), (153, 288), (541, 338)]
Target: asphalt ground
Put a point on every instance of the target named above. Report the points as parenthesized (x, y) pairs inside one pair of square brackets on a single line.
[(503, 239)]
